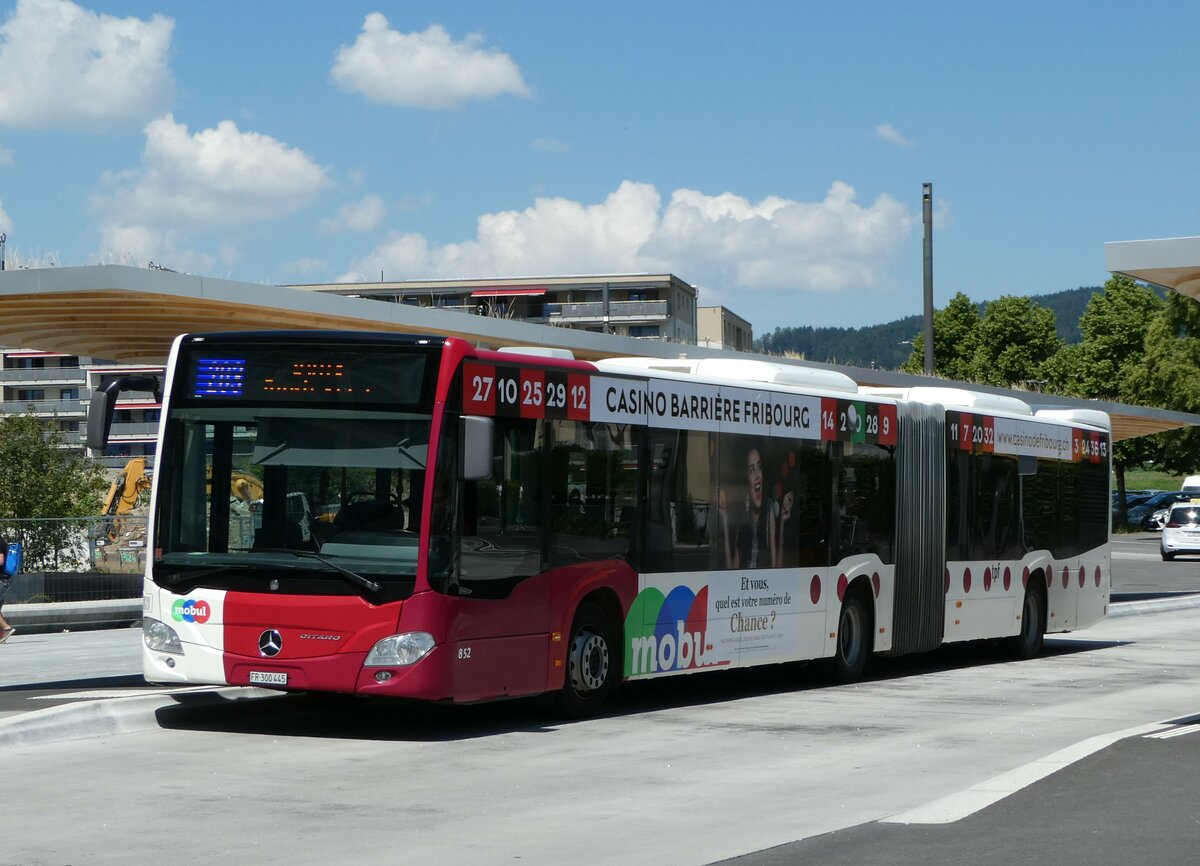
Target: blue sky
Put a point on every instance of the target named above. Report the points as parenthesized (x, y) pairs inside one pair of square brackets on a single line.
[(770, 153)]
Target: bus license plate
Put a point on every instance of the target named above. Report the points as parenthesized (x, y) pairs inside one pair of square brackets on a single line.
[(268, 678)]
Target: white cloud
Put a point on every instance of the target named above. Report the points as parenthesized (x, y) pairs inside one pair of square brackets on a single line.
[(830, 245), (214, 180), (6, 158), (66, 67), (423, 70), (889, 133), (725, 240), (5, 220), (554, 236), (364, 215)]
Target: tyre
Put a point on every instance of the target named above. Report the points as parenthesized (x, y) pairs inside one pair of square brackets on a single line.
[(854, 640), (1028, 642), (592, 662), (1166, 555)]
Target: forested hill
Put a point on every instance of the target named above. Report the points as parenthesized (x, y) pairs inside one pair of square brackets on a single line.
[(889, 345)]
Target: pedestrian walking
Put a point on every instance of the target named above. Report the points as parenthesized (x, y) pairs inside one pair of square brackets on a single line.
[(6, 630), (11, 565)]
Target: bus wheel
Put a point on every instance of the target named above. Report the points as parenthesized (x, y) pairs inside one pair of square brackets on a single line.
[(853, 640), (591, 664), (1028, 643)]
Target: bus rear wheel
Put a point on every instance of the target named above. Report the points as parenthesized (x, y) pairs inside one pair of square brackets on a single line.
[(591, 664), (853, 640), (1028, 642)]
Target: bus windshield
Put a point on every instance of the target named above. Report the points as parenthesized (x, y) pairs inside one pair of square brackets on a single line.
[(334, 493)]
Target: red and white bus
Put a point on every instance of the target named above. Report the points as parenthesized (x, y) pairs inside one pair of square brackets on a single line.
[(445, 523)]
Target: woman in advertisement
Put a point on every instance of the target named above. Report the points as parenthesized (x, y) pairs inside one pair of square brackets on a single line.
[(757, 539)]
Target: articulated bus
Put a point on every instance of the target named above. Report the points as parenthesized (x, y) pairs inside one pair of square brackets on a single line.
[(446, 523)]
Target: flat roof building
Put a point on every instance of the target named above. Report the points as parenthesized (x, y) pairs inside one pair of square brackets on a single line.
[(642, 306)]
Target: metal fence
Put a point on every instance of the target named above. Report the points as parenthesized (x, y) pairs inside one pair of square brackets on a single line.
[(77, 559)]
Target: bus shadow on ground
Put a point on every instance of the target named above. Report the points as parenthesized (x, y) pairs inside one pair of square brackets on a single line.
[(326, 716)]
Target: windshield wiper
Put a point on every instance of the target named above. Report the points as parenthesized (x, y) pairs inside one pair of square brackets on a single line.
[(352, 576)]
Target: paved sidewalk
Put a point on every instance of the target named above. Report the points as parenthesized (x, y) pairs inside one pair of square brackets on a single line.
[(64, 686)]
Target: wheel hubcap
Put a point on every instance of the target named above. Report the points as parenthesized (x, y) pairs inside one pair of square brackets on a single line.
[(589, 662)]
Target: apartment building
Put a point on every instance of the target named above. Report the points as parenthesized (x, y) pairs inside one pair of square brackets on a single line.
[(644, 306), (58, 387), (721, 328)]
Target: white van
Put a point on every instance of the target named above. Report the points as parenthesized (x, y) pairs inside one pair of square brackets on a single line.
[(1191, 484)]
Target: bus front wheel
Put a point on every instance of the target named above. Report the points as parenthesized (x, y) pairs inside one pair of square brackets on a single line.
[(591, 663)]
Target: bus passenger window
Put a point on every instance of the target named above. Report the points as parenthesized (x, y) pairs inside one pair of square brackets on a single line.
[(679, 525), (502, 538), (593, 483)]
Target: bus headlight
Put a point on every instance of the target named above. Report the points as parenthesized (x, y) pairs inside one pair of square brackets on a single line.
[(160, 637), (400, 650)]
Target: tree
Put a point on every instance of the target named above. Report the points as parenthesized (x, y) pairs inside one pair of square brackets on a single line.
[(1015, 339), (1113, 335), (1010, 344), (43, 481), (954, 340), (1167, 374)]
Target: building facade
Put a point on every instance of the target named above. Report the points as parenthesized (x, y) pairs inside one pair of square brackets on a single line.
[(58, 388), (720, 328), (643, 306)]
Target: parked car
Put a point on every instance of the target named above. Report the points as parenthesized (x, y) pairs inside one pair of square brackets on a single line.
[(1181, 532), (1141, 516), (1132, 498)]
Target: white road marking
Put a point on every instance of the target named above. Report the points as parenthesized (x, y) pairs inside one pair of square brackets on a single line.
[(1174, 732), (955, 807)]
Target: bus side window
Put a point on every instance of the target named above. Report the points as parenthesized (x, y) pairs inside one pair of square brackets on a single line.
[(593, 491), (679, 525), (502, 515)]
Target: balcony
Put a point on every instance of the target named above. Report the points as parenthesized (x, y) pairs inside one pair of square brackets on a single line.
[(44, 376), (133, 429), (62, 408), (618, 311)]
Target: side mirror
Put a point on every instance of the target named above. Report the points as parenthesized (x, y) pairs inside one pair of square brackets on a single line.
[(475, 447), (104, 403)]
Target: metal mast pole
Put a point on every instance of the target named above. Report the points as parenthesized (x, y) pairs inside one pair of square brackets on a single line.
[(927, 219)]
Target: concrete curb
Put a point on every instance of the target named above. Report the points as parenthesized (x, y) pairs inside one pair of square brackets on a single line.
[(41, 617), (88, 719)]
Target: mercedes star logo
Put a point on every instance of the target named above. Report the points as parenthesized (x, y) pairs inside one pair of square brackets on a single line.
[(270, 642)]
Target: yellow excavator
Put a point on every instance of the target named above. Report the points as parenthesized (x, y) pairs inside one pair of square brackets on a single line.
[(129, 492)]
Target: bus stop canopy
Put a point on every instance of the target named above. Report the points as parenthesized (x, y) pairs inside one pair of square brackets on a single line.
[(132, 314), (1173, 263)]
